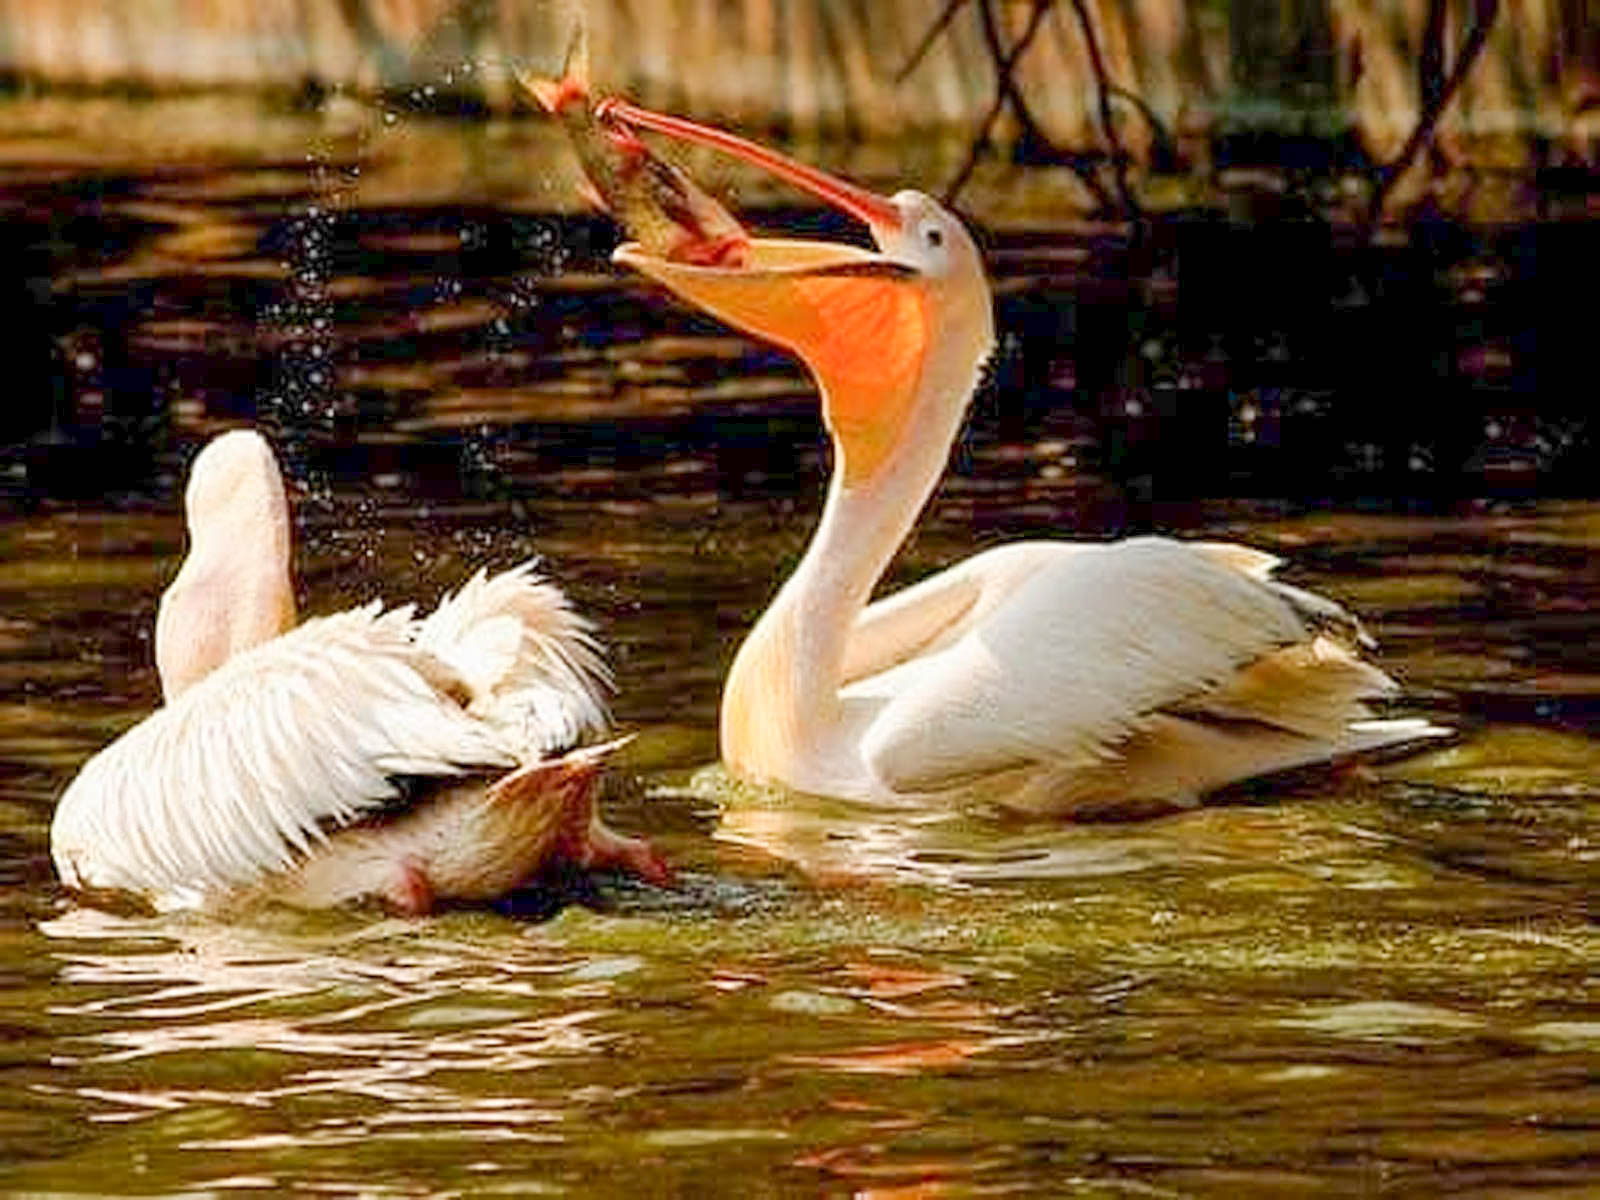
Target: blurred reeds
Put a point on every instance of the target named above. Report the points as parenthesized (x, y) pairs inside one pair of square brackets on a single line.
[(1188, 82)]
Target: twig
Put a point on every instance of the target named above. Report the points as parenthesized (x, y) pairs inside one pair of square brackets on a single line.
[(946, 15), (1119, 157), (1164, 138), (1430, 60), (1484, 13), (1005, 61), (1006, 90)]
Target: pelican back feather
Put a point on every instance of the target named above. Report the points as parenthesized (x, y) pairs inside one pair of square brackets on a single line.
[(529, 661)]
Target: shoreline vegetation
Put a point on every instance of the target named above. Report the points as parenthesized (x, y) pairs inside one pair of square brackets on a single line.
[(1247, 246), (1366, 114)]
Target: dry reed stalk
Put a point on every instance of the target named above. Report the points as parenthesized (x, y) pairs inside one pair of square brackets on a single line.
[(825, 67), (799, 71), (753, 83)]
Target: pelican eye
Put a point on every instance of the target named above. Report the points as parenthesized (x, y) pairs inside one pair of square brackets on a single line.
[(935, 237)]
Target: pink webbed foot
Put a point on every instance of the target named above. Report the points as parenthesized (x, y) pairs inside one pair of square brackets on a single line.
[(584, 840), (410, 892), (593, 845), (634, 855)]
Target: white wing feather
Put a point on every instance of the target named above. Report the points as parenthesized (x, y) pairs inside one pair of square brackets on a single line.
[(1060, 661), (530, 662), (246, 769)]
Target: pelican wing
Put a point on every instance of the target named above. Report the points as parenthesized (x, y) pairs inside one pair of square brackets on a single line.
[(933, 613), (530, 662), (909, 623), (249, 768), (1070, 649)]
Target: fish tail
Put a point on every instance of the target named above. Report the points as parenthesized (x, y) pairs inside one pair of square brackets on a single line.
[(554, 95)]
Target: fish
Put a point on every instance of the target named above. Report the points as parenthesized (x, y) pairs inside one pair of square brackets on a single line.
[(656, 202)]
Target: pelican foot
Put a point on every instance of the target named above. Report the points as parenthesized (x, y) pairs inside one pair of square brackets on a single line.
[(598, 846), (410, 892)]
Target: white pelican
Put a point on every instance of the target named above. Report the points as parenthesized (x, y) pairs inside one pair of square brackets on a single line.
[(1047, 675), (367, 754)]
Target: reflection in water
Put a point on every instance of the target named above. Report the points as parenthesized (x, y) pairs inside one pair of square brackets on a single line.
[(834, 842), (393, 1025), (1391, 971)]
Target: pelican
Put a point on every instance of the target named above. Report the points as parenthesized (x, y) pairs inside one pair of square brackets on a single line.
[(1049, 676), (368, 754)]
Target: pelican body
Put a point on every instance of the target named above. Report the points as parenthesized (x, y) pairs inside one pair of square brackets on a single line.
[(1050, 676), (368, 754)]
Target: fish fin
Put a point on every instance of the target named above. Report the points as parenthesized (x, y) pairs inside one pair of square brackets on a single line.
[(591, 195)]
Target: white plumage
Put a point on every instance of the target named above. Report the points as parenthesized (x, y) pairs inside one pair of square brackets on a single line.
[(1141, 706), (326, 763), (1051, 676)]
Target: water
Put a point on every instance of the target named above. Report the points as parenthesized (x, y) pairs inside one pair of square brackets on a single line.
[(1353, 983)]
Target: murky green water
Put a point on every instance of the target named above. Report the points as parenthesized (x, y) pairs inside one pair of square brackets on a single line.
[(1378, 982), (1337, 985)]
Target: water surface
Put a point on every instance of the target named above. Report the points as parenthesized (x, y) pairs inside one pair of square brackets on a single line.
[(1376, 981)]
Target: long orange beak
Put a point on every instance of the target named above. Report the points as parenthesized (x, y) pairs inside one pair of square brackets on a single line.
[(855, 317), (876, 211)]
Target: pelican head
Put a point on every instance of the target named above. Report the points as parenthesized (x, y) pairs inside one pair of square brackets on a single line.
[(235, 483), (233, 590), (888, 334)]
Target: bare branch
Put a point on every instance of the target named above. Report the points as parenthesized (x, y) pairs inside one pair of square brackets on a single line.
[(1483, 17), (1006, 91), (1164, 138), (1119, 157), (946, 15), (1430, 59)]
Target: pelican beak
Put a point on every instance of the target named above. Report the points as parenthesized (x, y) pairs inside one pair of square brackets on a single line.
[(780, 293), (855, 317), (877, 212)]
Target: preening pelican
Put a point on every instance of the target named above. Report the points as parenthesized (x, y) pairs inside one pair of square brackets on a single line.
[(368, 754), (1050, 676)]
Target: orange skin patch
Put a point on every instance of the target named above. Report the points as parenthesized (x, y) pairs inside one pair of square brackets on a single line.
[(863, 332), (868, 352)]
